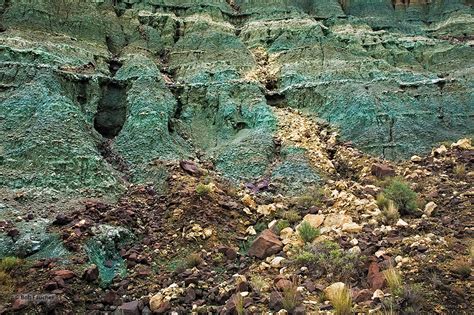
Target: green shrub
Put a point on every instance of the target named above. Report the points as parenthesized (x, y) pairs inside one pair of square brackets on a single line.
[(291, 216), (280, 225), (203, 189), (402, 195), (307, 232), (327, 258), (8, 263)]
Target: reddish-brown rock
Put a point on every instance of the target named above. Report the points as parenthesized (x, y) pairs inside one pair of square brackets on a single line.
[(382, 170), (375, 278), (130, 308), (91, 274), (266, 244), (64, 274)]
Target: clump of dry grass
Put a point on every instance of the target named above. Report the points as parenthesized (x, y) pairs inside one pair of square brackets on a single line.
[(341, 300), (394, 280), (6, 284), (459, 170), (390, 213), (258, 283), (193, 260), (290, 297), (8, 263), (239, 303)]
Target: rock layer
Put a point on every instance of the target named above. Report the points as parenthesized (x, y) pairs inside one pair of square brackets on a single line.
[(170, 80)]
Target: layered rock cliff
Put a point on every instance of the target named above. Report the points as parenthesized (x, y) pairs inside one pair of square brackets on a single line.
[(168, 80)]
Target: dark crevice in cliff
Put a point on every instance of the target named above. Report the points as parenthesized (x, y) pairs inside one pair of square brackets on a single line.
[(177, 92), (114, 66), (112, 109), (276, 99)]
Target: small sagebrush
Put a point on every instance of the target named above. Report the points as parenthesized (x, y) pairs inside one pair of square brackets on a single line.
[(307, 232), (203, 189), (402, 195), (327, 258)]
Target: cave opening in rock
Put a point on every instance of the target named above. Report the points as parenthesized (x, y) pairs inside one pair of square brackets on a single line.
[(112, 110)]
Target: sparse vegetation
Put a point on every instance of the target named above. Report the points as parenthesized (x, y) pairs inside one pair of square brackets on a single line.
[(280, 225), (203, 189), (327, 258), (459, 170), (462, 268), (390, 213), (193, 260), (341, 300), (312, 198), (307, 232), (239, 303), (290, 297), (6, 284), (291, 216), (258, 283), (8, 263), (394, 280), (401, 194)]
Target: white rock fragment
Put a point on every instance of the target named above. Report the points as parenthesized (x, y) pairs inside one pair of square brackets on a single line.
[(430, 208), (251, 231), (401, 223)]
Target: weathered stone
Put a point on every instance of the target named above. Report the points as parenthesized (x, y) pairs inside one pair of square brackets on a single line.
[(332, 290), (430, 208), (91, 274), (266, 244), (337, 220), (351, 227), (129, 308), (375, 278), (382, 170), (314, 219)]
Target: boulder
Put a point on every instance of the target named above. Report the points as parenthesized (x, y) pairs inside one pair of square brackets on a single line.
[(375, 278), (331, 290), (336, 220), (130, 308), (266, 244), (158, 304), (314, 219), (351, 227), (382, 170)]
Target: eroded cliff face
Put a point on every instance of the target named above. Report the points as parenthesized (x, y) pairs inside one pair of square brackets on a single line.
[(97, 94)]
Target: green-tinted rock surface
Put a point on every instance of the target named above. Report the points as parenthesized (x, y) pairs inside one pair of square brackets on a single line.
[(171, 80)]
